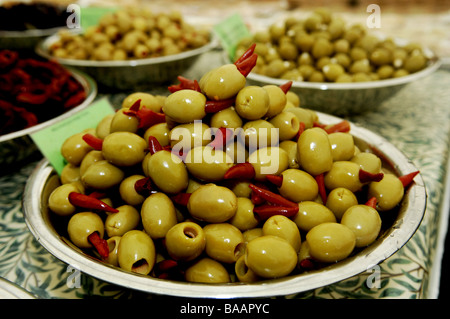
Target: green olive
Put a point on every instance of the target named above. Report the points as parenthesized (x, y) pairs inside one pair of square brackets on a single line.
[(160, 131), (291, 149), (364, 221), (243, 273), (102, 175), (127, 190), (90, 158), (277, 100), (83, 224), (146, 100), (187, 136), (339, 200), (74, 148), (342, 146), (314, 151), (293, 98), (113, 245), (212, 203), (281, 226), (122, 122), (304, 116), (252, 102), (368, 162), (103, 127), (260, 133), (330, 242), (136, 252), (127, 218), (228, 118), (124, 148), (251, 234), (244, 218), (270, 256), (298, 185), (58, 200), (332, 71), (185, 241), (207, 270), (224, 242), (158, 215), (287, 124), (185, 106), (168, 172), (268, 160), (70, 173), (343, 174), (311, 214), (207, 163), (388, 192), (222, 83)]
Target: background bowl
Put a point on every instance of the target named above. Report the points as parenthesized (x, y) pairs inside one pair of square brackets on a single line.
[(397, 232), (131, 74), (17, 146), (25, 40)]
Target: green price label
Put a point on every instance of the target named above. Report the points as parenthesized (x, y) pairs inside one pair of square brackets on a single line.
[(230, 31), (90, 16)]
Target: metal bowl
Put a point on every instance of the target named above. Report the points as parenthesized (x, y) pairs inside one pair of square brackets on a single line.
[(10, 290), (131, 74), (411, 211), (27, 39), (16, 146)]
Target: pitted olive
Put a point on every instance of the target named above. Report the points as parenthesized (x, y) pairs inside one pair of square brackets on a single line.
[(136, 252), (281, 226), (364, 221), (128, 192), (291, 149), (227, 118), (277, 100), (83, 224), (343, 174), (207, 163), (287, 124), (244, 218), (260, 133), (224, 242), (113, 244), (243, 273), (90, 158), (74, 148), (268, 160), (339, 200), (314, 151), (147, 100), (185, 241), (222, 83), (185, 106), (298, 185), (59, 202), (252, 102), (167, 171), (127, 218), (124, 148), (184, 137), (368, 162), (122, 122), (207, 270), (160, 131), (158, 215), (102, 175), (103, 127), (342, 146), (388, 192), (311, 214)]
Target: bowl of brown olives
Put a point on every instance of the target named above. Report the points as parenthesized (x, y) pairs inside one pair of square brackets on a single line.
[(336, 68), (35, 94), (131, 48), (223, 192)]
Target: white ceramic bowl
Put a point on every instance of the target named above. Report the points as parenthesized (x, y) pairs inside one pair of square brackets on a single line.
[(131, 74), (411, 210)]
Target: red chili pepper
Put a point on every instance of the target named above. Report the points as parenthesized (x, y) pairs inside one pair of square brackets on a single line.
[(307, 264), (408, 178), (372, 202), (286, 87), (321, 184), (144, 186), (185, 84), (93, 141), (146, 116), (181, 198), (343, 126), (271, 197), (216, 106), (255, 198), (75, 99), (301, 129), (241, 171), (247, 53), (154, 145), (8, 58), (247, 61), (97, 195), (275, 179), (89, 202), (367, 177), (100, 244), (222, 137), (266, 211)]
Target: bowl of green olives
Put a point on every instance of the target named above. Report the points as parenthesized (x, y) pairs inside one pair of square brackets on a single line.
[(164, 240), (131, 48), (336, 68)]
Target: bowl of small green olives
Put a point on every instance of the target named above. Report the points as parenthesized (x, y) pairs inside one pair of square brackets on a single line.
[(190, 241), (131, 48), (336, 68)]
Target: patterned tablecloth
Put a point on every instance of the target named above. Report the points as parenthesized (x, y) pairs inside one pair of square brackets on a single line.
[(416, 120)]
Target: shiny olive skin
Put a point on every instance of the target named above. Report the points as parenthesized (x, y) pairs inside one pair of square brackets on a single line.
[(187, 136), (185, 241), (270, 256), (342, 146), (158, 215), (136, 252), (252, 102), (251, 234), (212, 203), (281, 226), (287, 124), (103, 127), (208, 164), (244, 218), (311, 214), (343, 174), (368, 162), (128, 191), (224, 242), (185, 106), (277, 100), (222, 83), (127, 218), (268, 160), (102, 175), (364, 221), (243, 273), (298, 185), (388, 192), (227, 118), (168, 172), (260, 133), (122, 122), (339, 200), (207, 270), (113, 244), (124, 148), (83, 224), (74, 148), (59, 202), (291, 149), (160, 131), (147, 100), (90, 158), (314, 151), (330, 242), (70, 173)]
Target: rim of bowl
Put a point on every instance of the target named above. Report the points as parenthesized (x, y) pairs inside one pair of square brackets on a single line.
[(413, 207), (30, 33), (42, 49), (90, 87)]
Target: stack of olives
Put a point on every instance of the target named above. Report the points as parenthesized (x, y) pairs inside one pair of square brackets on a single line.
[(322, 48), (178, 187), (130, 33)]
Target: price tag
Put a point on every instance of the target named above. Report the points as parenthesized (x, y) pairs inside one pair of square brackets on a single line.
[(50, 139), (230, 31)]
